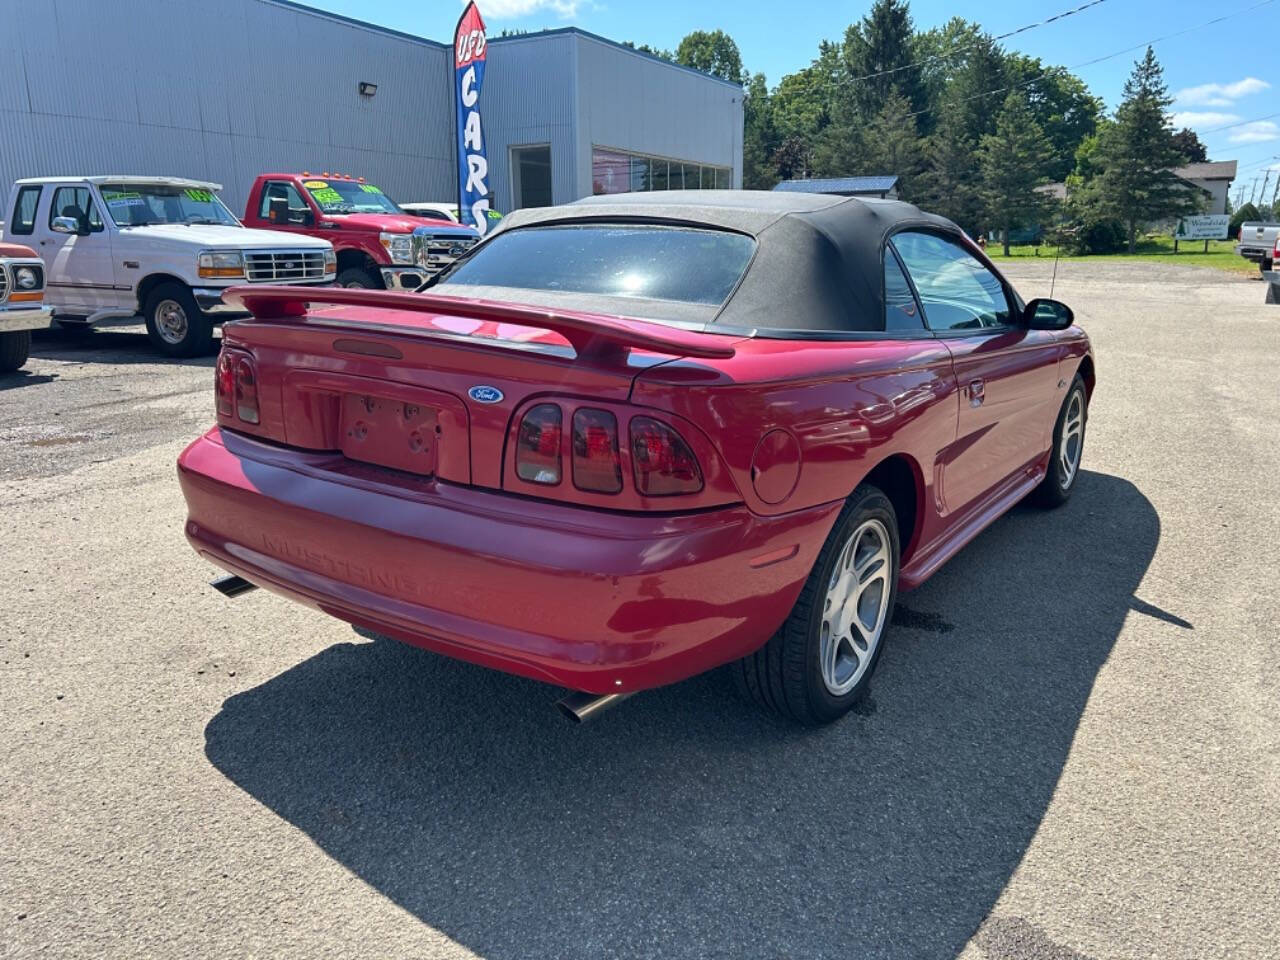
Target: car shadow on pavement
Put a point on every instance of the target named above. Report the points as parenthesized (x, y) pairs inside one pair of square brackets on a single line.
[(686, 823), (106, 345)]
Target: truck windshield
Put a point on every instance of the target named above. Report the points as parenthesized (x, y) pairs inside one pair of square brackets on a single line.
[(143, 204), (349, 196)]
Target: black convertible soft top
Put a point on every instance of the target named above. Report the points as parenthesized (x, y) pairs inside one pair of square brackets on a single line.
[(818, 264)]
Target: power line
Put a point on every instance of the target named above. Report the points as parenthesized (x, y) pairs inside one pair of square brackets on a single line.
[(1112, 56), (974, 46)]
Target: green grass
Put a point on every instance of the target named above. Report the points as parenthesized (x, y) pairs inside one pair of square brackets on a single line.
[(1153, 249)]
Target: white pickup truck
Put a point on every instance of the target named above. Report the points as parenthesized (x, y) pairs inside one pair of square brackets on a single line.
[(1257, 242), (164, 247)]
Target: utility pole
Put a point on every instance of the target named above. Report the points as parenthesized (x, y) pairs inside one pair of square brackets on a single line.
[(1253, 190), (1262, 195)]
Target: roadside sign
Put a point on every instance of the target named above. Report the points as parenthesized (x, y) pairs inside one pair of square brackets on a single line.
[(1208, 226)]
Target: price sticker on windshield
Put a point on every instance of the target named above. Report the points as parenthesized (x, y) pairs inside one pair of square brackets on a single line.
[(118, 198), (327, 197), (369, 188), (199, 196), (315, 184)]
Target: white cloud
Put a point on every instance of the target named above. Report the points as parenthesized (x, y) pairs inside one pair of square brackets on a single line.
[(1193, 118), (1220, 94), (507, 9), (1260, 131)]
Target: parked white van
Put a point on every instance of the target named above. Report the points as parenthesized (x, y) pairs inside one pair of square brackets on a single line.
[(162, 247)]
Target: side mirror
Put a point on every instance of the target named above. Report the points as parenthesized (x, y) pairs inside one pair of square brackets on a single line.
[(64, 225), (1044, 314), (278, 210)]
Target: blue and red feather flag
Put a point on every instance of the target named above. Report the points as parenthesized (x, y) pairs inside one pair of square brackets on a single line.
[(469, 51)]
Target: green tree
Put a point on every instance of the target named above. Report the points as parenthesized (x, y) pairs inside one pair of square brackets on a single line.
[(879, 57), (760, 138), (974, 91), (1012, 161), (950, 181), (891, 144), (1060, 103), (942, 52), (1189, 146), (1137, 154), (713, 52)]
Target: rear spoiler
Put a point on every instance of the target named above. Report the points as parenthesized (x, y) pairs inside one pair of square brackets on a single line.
[(591, 335)]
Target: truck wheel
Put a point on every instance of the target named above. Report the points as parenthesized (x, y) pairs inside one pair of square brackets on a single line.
[(15, 347), (1264, 265), (819, 664), (359, 278), (175, 324)]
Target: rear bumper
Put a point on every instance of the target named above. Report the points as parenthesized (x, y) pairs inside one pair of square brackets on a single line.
[(16, 318), (586, 599), (1254, 253)]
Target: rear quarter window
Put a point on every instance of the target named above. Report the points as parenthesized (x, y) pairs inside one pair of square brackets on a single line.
[(682, 264)]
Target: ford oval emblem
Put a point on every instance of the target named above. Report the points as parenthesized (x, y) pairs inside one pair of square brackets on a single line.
[(483, 393)]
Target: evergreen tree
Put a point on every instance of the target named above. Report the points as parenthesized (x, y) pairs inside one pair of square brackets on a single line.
[(950, 180), (891, 145), (1137, 154), (1013, 161), (879, 55), (759, 136)]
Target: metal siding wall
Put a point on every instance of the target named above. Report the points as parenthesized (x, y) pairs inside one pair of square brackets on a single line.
[(168, 88), (633, 102), (528, 99), (258, 86)]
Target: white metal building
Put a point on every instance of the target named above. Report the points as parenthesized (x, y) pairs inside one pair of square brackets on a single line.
[(170, 87)]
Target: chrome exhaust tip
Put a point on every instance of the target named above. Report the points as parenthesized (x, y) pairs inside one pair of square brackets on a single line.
[(232, 586), (580, 707)]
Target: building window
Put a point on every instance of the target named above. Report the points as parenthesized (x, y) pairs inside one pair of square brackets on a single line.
[(532, 168), (616, 171)]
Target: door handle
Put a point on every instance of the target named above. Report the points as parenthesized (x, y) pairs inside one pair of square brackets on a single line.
[(977, 392)]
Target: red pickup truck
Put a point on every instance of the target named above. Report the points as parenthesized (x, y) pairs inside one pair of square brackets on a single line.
[(378, 245)]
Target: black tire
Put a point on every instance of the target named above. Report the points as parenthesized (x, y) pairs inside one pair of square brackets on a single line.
[(359, 278), (1055, 489), (175, 324), (786, 674), (15, 348), (1264, 266)]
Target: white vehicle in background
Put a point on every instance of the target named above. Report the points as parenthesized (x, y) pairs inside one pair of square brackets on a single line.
[(1257, 242), (441, 211), (163, 247), (432, 211)]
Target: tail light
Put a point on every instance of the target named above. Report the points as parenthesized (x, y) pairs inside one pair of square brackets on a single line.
[(246, 391), (224, 383), (596, 465), (538, 445), (664, 465), (235, 387)]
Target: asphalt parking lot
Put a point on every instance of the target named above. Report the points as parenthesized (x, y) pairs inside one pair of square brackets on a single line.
[(1072, 747)]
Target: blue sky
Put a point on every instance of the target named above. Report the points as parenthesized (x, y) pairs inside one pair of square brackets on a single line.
[(1223, 73)]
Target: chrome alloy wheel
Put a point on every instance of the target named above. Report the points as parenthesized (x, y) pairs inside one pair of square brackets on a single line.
[(1072, 441), (171, 321), (856, 607)]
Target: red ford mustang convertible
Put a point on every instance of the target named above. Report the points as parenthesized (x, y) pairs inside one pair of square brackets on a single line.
[(634, 438)]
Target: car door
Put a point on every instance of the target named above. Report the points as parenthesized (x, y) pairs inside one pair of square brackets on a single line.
[(1007, 374), (80, 266)]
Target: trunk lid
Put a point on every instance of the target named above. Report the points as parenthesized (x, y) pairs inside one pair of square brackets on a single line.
[(428, 385)]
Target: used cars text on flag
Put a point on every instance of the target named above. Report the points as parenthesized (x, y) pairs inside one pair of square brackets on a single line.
[(469, 50)]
